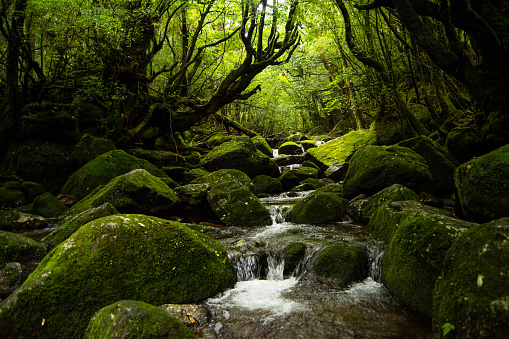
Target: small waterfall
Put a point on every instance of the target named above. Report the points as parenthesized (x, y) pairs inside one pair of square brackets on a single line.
[(276, 263), (376, 250), (278, 213), (275, 153), (247, 265)]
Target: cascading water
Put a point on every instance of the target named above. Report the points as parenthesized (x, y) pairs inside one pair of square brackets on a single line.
[(268, 302)]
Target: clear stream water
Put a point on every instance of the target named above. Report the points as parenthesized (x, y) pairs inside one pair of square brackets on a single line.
[(266, 304)]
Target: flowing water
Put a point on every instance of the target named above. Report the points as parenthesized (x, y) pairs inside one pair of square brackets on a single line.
[(268, 302)]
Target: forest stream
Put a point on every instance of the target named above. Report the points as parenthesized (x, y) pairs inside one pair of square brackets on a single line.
[(266, 304)]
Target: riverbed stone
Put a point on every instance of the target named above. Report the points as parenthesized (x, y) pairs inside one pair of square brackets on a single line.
[(336, 171), (193, 205), (240, 153), (472, 292), (18, 248), (236, 205), (307, 144), (135, 192), (331, 188), (342, 148), (73, 223), (48, 206), (13, 220), (482, 186), (180, 311), (266, 184), (135, 319), (131, 257), (294, 254), (342, 263), (289, 180), (417, 237), (319, 209), (303, 173), (262, 145), (103, 169), (374, 168), (289, 148)]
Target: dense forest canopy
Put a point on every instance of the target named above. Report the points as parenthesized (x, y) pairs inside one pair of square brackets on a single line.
[(131, 69)]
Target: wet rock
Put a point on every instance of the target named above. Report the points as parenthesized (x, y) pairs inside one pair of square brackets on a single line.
[(225, 175), (17, 248), (303, 173), (193, 205), (236, 205), (89, 148), (262, 145), (472, 291), (482, 186), (440, 162), (48, 206), (307, 144), (289, 180), (181, 311), (342, 263), (361, 210), (12, 220), (417, 237), (336, 171), (331, 188), (294, 254), (342, 148), (135, 192), (374, 168), (319, 209), (289, 148), (240, 153), (11, 198), (76, 221), (103, 169), (308, 185), (295, 137), (10, 278), (265, 184), (135, 319), (121, 257)]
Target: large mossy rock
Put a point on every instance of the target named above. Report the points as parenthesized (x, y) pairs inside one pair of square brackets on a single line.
[(464, 143), (135, 319), (303, 173), (262, 145), (11, 277), (114, 258), (472, 293), (342, 263), (290, 147), (193, 205), (361, 210), (373, 168), (417, 237), (440, 162), (12, 220), (263, 184), (240, 153), (103, 169), (319, 208), (236, 205), (76, 221), (293, 256), (89, 148), (482, 186), (159, 158), (135, 192), (225, 175), (48, 206), (15, 247), (340, 149), (10, 198)]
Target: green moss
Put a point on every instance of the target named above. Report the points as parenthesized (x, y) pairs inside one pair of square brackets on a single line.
[(340, 149), (464, 143), (32, 189), (472, 292), (307, 144), (15, 247), (315, 183), (265, 184), (159, 158), (11, 198), (303, 173), (114, 258), (289, 147), (288, 180), (135, 319), (333, 188), (294, 253), (225, 175), (343, 263), (88, 148), (103, 169), (262, 145), (48, 206), (318, 209), (13, 220)]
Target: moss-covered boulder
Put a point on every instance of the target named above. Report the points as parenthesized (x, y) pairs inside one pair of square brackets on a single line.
[(17, 248), (342, 263), (265, 184), (289, 180), (361, 210), (194, 173), (103, 169), (12, 220), (114, 258), (193, 205), (135, 319), (290, 147), (294, 254), (303, 173), (262, 145), (11, 198), (236, 205), (374, 168), (89, 148), (440, 162), (225, 175), (464, 143), (472, 292), (482, 186), (158, 158), (32, 189), (340, 149), (336, 171), (73, 223), (135, 192), (240, 153), (294, 137), (48, 206), (336, 189), (307, 144), (319, 209), (417, 237), (11, 276), (313, 183)]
